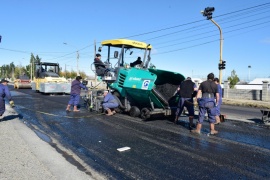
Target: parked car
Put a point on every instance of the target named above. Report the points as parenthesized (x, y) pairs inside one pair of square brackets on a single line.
[(23, 82)]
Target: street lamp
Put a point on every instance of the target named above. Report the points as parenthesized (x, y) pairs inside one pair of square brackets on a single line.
[(249, 72), (208, 13), (78, 56)]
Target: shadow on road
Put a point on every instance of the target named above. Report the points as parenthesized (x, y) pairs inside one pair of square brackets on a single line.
[(11, 117)]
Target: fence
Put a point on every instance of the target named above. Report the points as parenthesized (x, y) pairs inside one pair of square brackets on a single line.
[(248, 94)]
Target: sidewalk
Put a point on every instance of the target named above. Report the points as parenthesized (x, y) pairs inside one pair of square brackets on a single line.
[(23, 155)]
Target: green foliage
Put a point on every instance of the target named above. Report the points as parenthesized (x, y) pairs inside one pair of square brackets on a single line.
[(20, 70), (233, 79), (14, 71), (7, 71)]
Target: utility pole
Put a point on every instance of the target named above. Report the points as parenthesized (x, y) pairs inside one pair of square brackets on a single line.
[(31, 71), (221, 65), (78, 57), (95, 50), (65, 71), (249, 73)]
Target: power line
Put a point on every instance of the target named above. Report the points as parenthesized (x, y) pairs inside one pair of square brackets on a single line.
[(172, 27), (241, 12)]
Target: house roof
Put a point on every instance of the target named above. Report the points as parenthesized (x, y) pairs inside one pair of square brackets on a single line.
[(259, 80)]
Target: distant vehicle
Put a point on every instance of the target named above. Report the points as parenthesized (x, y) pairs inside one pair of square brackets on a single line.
[(47, 80), (22, 82)]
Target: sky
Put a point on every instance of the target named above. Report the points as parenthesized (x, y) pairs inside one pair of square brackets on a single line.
[(183, 40)]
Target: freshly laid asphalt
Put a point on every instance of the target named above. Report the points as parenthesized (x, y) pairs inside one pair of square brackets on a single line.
[(23, 155)]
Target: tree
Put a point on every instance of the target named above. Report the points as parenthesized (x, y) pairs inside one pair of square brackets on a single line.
[(19, 70), (233, 79)]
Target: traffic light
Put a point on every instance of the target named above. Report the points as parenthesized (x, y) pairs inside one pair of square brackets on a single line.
[(219, 66), (208, 12), (223, 64)]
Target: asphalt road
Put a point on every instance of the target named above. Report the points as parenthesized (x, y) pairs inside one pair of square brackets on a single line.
[(159, 149)]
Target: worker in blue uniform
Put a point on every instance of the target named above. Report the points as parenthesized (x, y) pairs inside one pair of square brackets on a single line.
[(109, 102), (76, 86), (4, 93), (216, 80), (186, 90), (207, 98)]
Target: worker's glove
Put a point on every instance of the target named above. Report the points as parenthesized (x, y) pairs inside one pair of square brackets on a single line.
[(11, 103)]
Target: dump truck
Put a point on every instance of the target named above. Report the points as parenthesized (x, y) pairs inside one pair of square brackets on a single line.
[(141, 90), (47, 79)]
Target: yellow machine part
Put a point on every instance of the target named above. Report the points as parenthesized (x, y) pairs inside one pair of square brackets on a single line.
[(129, 43)]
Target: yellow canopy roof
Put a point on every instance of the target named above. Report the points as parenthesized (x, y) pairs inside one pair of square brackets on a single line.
[(127, 43)]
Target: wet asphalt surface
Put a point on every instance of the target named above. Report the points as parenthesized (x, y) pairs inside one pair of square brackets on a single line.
[(159, 148)]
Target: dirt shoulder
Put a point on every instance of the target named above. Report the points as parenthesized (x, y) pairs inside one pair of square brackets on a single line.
[(248, 103)]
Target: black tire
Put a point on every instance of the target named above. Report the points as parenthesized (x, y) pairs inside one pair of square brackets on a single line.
[(145, 113), (120, 100), (134, 111)]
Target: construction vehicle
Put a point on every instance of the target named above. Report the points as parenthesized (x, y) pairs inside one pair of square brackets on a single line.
[(22, 82), (47, 80), (142, 90)]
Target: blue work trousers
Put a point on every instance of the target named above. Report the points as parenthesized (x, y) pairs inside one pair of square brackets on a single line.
[(109, 105), (185, 102), (2, 106), (74, 99), (207, 105)]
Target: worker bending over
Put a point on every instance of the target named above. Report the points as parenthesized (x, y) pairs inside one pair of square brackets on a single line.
[(109, 102)]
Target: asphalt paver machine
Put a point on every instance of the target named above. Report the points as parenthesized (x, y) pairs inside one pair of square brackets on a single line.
[(142, 90)]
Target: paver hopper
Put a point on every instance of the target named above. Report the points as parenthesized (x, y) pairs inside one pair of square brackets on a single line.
[(142, 90)]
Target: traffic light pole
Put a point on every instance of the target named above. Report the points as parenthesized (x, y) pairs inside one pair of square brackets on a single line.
[(221, 44)]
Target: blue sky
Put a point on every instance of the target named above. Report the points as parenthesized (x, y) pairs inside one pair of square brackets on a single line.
[(183, 40)]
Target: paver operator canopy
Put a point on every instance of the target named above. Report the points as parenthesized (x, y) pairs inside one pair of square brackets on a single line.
[(125, 45)]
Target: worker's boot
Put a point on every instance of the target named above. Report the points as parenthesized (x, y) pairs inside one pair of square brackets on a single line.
[(76, 109), (198, 129), (68, 107), (217, 119), (191, 125), (212, 129), (176, 119), (109, 112)]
